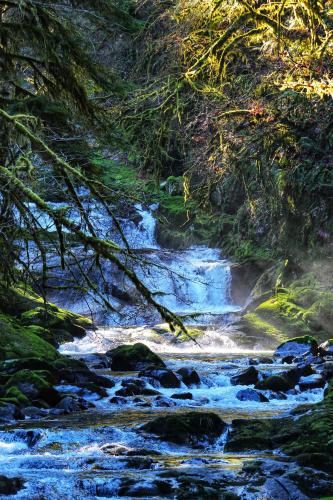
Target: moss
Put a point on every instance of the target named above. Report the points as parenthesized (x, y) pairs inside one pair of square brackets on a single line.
[(292, 312), (15, 396), (17, 341), (56, 320), (40, 379), (133, 357)]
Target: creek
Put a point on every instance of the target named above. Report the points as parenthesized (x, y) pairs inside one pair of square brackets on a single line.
[(91, 454)]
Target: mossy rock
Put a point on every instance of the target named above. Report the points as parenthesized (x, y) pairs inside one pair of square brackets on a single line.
[(133, 358), (40, 379), (55, 320), (187, 428), (15, 396), (293, 312), (17, 341)]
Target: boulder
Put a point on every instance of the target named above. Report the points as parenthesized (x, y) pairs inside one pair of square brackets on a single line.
[(297, 347), (163, 376), (245, 377), (313, 381), (186, 428), (164, 402), (70, 404), (182, 395), (10, 485), (189, 376), (77, 373), (274, 383), (118, 400), (133, 358), (251, 395), (9, 412), (135, 387)]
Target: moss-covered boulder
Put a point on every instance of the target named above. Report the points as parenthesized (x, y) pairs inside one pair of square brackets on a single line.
[(55, 320), (133, 358), (17, 341), (296, 311), (187, 428)]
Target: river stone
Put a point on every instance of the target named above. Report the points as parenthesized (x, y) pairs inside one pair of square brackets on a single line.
[(182, 395), (297, 347), (165, 377), (144, 489), (311, 382), (133, 358), (118, 400), (251, 395), (70, 404), (30, 437), (164, 402), (186, 428), (189, 376), (10, 485), (246, 377), (136, 387), (9, 412), (274, 383), (34, 412)]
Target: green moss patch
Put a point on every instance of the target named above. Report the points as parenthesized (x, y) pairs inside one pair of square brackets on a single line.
[(293, 312), (17, 341)]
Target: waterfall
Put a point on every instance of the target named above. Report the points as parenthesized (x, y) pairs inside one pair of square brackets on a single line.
[(194, 282)]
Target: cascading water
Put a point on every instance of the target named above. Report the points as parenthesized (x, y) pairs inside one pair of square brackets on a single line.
[(102, 452), (194, 282)]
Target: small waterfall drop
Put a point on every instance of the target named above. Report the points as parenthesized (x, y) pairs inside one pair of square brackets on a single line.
[(193, 283)]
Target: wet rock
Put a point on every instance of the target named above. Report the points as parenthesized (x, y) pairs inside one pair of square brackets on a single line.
[(96, 361), (34, 412), (186, 428), (30, 437), (119, 450), (274, 383), (288, 359), (133, 358), (297, 347), (246, 377), (92, 388), (120, 294), (251, 395), (70, 404), (189, 376), (182, 395), (139, 463), (265, 361), (135, 387), (144, 489), (316, 460), (9, 412), (15, 365), (50, 395), (283, 489), (311, 382), (84, 376), (164, 402), (294, 374), (10, 485), (163, 376), (275, 395), (118, 400)]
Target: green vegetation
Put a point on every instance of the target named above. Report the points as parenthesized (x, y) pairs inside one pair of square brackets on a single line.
[(291, 312)]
